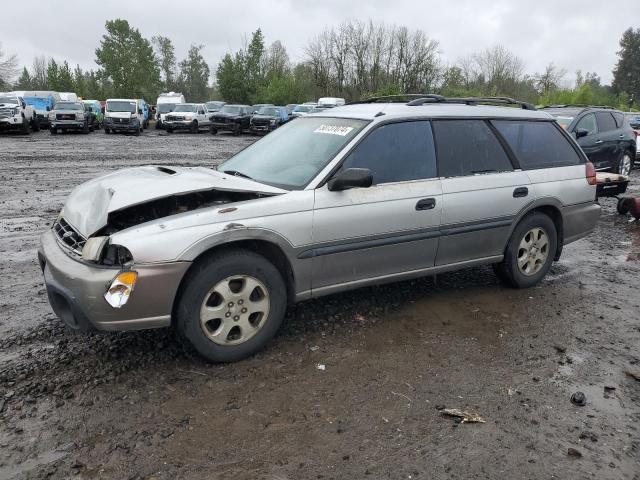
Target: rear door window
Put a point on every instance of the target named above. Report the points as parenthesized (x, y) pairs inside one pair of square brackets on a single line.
[(588, 123), (606, 123), (619, 117), (468, 147), (537, 144), (396, 152)]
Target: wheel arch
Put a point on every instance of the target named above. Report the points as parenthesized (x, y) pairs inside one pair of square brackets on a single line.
[(270, 250), (550, 207)]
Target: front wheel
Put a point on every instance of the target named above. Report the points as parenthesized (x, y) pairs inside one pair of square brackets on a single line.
[(25, 126), (53, 131), (213, 131), (232, 305), (530, 252), (35, 125), (193, 128), (85, 128), (106, 131)]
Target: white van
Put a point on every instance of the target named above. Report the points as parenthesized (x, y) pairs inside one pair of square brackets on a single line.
[(165, 104), (328, 102), (123, 114), (68, 97)]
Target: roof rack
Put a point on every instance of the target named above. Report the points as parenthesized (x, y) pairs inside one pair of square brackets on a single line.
[(471, 101), (578, 105), (401, 98)]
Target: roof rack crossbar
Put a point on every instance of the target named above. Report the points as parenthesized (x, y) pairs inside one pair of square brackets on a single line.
[(401, 98), (578, 105), (470, 101)]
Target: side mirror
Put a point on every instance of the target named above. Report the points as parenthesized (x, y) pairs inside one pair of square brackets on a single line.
[(48, 108), (140, 111), (581, 132), (24, 105), (351, 178)]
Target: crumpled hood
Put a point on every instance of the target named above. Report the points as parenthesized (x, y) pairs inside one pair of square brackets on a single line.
[(88, 206)]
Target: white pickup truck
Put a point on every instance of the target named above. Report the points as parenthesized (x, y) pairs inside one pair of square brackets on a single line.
[(187, 116), (15, 114)]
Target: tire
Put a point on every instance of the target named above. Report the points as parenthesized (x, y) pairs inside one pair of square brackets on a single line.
[(625, 163), (53, 131), (623, 206), (25, 126), (237, 130), (251, 276), (537, 261), (193, 128), (106, 131), (213, 131), (85, 128), (169, 130), (35, 125)]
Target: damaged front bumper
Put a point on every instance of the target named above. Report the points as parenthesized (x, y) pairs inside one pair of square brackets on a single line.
[(76, 291)]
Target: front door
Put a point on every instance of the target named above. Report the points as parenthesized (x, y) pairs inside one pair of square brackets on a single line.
[(388, 228)]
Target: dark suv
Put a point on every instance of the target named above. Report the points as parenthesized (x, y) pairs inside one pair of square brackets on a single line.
[(603, 133), (232, 118)]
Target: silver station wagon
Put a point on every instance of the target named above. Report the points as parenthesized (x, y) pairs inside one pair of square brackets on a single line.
[(357, 195)]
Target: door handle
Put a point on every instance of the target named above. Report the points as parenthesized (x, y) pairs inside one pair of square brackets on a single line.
[(622, 135), (426, 204), (520, 192), (598, 142)]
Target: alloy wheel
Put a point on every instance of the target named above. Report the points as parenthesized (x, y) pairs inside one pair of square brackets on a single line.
[(533, 251), (234, 310), (625, 164)]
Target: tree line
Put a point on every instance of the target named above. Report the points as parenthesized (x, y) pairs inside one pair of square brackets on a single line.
[(353, 60)]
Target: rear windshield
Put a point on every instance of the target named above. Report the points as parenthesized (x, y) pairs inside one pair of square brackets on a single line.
[(537, 144), (119, 106)]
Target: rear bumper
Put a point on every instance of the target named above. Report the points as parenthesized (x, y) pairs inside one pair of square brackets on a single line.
[(76, 291), (579, 220)]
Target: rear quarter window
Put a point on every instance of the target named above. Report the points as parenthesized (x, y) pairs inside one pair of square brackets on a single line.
[(537, 144)]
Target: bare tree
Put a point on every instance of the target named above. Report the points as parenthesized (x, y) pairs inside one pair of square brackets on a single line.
[(549, 80), (276, 60), (8, 67), (499, 68)]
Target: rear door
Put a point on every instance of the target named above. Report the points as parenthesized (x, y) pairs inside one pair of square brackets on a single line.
[(592, 145), (481, 191), (609, 135), (390, 227)]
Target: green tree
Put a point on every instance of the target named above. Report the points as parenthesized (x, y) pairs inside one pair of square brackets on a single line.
[(194, 75), (165, 52), (65, 78), (253, 68), (127, 61), (231, 78), (25, 82), (53, 74), (626, 74), (79, 82)]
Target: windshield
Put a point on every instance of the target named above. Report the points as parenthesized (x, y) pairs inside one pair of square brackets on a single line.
[(166, 107), (303, 108), (121, 106), (294, 154), (271, 111), (9, 100), (186, 108), (230, 109), (68, 106), (564, 121)]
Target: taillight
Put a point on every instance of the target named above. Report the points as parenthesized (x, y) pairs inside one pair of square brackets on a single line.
[(590, 173)]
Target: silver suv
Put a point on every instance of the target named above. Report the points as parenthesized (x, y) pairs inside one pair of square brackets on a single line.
[(357, 195)]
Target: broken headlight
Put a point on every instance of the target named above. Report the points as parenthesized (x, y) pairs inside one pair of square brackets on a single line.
[(93, 247), (97, 250)]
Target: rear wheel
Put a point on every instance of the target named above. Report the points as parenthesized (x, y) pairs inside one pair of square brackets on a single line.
[(530, 252), (232, 305), (623, 206), (625, 164)]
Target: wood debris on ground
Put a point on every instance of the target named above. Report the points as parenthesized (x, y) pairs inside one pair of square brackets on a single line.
[(465, 416)]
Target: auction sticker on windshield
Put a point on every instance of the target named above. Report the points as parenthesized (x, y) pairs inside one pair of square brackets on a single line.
[(333, 130)]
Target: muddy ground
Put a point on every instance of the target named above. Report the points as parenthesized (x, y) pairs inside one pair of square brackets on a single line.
[(138, 406)]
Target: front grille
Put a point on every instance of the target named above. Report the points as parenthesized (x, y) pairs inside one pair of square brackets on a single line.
[(220, 119), (6, 113), (68, 236), (173, 118), (121, 120), (65, 116), (260, 122)]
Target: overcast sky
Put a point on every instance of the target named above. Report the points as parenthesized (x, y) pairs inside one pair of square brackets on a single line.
[(574, 34)]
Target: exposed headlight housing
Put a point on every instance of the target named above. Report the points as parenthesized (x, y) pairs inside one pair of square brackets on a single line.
[(120, 289), (93, 247)]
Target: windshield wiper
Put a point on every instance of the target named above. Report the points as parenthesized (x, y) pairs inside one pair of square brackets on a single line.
[(236, 173)]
